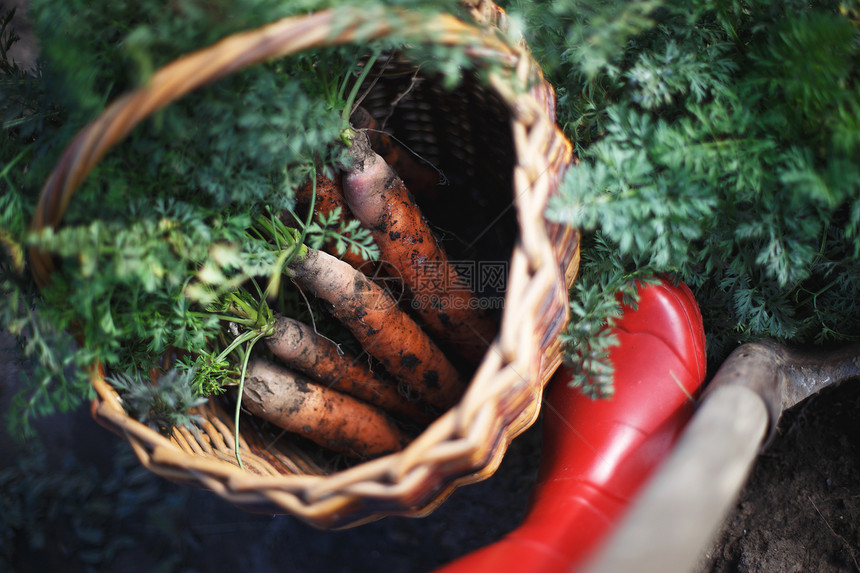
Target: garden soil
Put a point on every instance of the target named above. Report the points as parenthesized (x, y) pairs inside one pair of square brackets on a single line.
[(800, 510)]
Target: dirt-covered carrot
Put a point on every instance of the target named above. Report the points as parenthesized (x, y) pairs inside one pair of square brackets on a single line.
[(383, 330), (299, 347), (421, 179), (332, 419), (329, 194), (329, 198), (444, 303)]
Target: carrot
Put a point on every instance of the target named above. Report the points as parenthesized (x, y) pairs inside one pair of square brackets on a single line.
[(443, 302), (327, 417), (383, 330), (420, 178), (329, 196), (298, 346)]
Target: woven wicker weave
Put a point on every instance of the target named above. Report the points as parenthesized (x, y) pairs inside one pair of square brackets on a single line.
[(501, 141)]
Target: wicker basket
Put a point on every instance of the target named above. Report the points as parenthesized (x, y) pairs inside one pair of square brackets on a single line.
[(501, 141)]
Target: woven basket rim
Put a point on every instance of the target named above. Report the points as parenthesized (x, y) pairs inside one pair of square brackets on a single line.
[(456, 445)]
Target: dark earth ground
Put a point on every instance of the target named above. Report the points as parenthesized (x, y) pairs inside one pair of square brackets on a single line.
[(800, 510), (80, 502)]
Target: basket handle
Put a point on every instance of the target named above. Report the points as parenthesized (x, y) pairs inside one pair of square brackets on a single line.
[(281, 38)]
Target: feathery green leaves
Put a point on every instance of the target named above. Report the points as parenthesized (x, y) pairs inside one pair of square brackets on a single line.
[(719, 144), (168, 222)]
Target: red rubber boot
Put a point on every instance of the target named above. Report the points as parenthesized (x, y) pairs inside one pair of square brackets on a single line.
[(596, 454)]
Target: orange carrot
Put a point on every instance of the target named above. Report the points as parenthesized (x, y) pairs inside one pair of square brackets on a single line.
[(298, 346), (329, 196), (383, 330), (444, 303), (329, 418), (420, 178)]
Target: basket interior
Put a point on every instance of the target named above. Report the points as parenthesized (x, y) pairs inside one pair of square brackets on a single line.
[(465, 133)]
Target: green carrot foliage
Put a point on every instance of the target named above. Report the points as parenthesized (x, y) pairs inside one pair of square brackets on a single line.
[(167, 224), (719, 144)]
